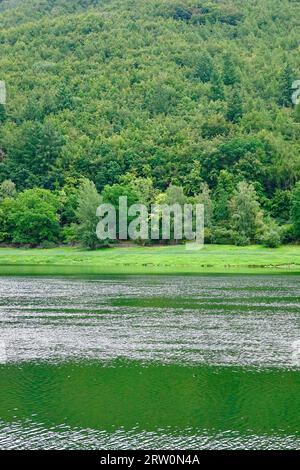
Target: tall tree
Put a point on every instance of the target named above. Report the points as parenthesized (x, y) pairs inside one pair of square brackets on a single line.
[(297, 113), (175, 195), (295, 211), (285, 83), (193, 179), (88, 202), (204, 68), (230, 76), (246, 214), (217, 88), (222, 194), (205, 198), (2, 113), (235, 106)]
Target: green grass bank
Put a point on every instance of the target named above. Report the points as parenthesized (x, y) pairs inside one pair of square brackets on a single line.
[(151, 260)]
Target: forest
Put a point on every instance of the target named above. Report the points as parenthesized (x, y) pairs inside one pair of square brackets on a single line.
[(159, 100)]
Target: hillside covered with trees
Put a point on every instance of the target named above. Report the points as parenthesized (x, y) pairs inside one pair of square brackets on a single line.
[(159, 100)]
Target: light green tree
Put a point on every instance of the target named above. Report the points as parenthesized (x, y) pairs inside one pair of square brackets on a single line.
[(142, 187), (246, 214), (7, 189), (88, 201), (204, 197)]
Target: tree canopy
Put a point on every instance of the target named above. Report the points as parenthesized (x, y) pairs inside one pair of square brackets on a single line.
[(169, 92)]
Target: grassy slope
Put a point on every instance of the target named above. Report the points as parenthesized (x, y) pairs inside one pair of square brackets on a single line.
[(154, 260)]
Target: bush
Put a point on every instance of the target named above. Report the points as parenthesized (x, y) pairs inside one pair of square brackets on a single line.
[(207, 235), (287, 233), (272, 238), (223, 236), (241, 239), (69, 234)]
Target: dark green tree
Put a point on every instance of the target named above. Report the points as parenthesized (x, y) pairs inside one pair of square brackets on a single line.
[(230, 76), (295, 210), (281, 205), (180, 12), (297, 113), (222, 194), (2, 113), (204, 68), (217, 87), (33, 149), (285, 83), (234, 106), (32, 217)]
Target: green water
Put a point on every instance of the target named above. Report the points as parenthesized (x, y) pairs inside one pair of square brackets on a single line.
[(150, 362)]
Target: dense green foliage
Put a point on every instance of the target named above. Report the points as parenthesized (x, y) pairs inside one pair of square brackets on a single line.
[(88, 202), (296, 209), (30, 218), (194, 94), (246, 214)]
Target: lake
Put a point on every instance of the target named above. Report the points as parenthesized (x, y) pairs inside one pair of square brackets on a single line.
[(197, 362)]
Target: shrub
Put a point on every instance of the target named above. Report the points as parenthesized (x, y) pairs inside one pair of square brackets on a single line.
[(272, 238), (207, 235), (223, 236), (287, 233), (241, 239), (69, 234)]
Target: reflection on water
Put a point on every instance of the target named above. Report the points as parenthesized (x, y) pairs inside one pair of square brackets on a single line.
[(150, 362)]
